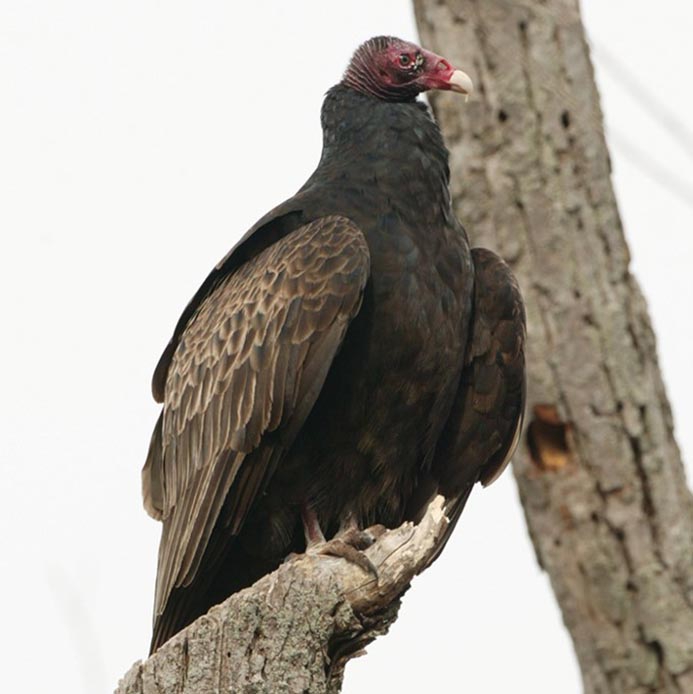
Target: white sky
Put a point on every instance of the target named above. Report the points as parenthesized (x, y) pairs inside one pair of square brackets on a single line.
[(138, 140)]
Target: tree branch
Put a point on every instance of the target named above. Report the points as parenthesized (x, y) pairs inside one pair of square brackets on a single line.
[(295, 629)]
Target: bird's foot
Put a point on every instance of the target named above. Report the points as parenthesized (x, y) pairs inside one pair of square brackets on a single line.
[(350, 544), (338, 547), (361, 539)]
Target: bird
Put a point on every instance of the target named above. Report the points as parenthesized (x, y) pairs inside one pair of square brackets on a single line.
[(349, 359)]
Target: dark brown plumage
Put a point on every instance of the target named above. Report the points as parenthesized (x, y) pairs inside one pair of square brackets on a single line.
[(348, 359)]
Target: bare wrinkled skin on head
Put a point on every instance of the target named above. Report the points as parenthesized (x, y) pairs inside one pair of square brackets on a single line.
[(395, 70)]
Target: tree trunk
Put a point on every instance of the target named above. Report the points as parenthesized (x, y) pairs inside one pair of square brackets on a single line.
[(600, 476), (293, 631)]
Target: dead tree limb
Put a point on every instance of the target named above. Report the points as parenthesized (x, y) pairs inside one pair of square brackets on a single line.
[(600, 476), (294, 630)]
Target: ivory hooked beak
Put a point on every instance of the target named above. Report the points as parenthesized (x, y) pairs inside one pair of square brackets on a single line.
[(461, 82)]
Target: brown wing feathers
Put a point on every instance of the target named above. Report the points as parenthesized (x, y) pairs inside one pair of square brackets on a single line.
[(251, 360)]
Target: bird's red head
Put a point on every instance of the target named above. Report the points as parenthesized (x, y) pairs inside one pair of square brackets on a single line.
[(395, 70)]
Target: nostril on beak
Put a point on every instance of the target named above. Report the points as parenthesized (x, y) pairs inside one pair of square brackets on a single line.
[(442, 65)]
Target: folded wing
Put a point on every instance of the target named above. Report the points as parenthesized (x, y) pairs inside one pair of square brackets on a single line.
[(484, 426), (245, 374)]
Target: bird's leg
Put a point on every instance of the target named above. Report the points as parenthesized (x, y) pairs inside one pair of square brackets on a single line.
[(311, 527), (349, 542), (311, 530)]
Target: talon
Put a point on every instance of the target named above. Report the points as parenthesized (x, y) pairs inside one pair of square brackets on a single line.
[(341, 548), (359, 539)]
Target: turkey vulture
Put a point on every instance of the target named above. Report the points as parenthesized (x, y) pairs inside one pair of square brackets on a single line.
[(349, 358)]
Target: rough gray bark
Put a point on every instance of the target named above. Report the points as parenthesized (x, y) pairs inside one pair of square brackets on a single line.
[(293, 631), (600, 478)]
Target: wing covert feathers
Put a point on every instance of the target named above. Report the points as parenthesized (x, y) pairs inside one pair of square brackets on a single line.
[(251, 361)]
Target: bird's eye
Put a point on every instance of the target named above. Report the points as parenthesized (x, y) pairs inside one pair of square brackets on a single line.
[(404, 60)]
